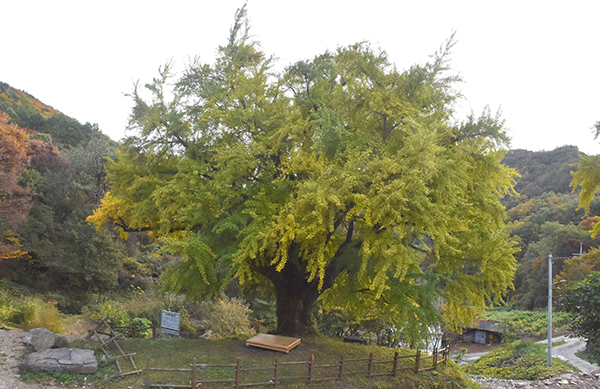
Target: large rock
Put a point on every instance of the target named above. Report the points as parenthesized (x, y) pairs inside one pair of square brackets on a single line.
[(61, 359), (42, 339)]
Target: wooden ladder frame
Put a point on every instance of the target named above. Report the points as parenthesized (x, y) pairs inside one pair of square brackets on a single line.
[(96, 331)]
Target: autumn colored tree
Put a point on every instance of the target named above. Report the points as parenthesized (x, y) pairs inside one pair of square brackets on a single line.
[(341, 178), (15, 198), (587, 176)]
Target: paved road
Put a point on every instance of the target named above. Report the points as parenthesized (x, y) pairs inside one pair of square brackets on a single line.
[(567, 351)]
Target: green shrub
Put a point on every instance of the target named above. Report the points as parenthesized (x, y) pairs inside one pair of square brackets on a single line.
[(102, 307), (142, 323), (226, 317), (37, 313), (517, 360), (264, 315), (21, 313)]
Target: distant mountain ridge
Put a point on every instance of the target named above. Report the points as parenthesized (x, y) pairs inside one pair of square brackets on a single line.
[(28, 112), (543, 171)]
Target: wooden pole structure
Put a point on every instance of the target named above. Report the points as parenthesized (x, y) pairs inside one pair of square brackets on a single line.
[(341, 367), (310, 368), (194, 374), (417, 360), (395, 367), (276, 378), (370, 368), (147, 375), (238, 368)]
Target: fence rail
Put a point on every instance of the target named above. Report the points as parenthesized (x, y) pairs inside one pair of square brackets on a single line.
[(342, 368)]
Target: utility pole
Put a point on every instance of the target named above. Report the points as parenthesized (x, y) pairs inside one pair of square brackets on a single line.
[(550, 310), (549, 358)]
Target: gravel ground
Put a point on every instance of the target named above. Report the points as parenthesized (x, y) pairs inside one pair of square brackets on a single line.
[(11, 353), (565, 381)]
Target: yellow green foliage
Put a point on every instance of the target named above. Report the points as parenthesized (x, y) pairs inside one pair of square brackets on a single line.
[(341, 175), (587, 176), (35, 313)]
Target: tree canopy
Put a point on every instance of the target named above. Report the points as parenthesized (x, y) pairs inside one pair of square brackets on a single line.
[(339, 177), (582, 301)]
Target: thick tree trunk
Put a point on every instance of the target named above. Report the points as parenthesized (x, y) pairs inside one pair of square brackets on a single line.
[(295, 295), (295, 300)]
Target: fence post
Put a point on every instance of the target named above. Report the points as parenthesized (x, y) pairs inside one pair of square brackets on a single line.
[(147, 375), (417, 360), (446, 353), (276, 377), (238, 368), (395, 367), (341, 367), (194, 374), (310, 368), (435, 358), (370, 368)]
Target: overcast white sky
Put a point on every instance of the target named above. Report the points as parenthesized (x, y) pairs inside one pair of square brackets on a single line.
[(538, 61)]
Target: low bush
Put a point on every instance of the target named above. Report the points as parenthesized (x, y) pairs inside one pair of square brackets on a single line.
[(35, 313), (144, 327), (517, 360), (101, 307), (226, 317)]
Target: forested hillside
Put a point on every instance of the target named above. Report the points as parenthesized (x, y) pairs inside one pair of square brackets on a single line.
[(51, 179), (545, 220), (543, 171), (29, 113)]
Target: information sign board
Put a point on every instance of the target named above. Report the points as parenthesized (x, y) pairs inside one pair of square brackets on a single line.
[(170, 322)]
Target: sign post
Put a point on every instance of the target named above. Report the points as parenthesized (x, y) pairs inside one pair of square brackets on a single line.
[(170, 322)]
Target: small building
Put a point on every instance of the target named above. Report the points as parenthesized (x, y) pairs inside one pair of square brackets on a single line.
[(484, 332)]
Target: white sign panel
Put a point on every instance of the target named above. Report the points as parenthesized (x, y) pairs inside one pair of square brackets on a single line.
[(170, 321)]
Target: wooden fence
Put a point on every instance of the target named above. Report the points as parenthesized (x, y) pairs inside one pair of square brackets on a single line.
[(130, 331), (345, 367)]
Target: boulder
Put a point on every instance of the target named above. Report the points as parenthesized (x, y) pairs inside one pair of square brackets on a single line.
[(354, 339), (64, 360), (42, 339)]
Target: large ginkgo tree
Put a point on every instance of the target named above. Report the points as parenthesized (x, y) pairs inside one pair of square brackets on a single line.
[(339, 178)]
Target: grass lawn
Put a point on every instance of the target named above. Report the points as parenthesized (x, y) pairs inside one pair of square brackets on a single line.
[(180, 353)]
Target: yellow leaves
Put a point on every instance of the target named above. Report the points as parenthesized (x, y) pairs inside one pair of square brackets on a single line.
[(123, 234), (587, 177), (110, 209), (10, 246)]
